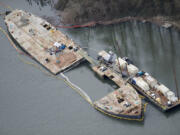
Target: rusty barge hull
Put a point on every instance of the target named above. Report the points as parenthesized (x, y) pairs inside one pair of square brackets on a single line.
[(121, 116), (41, 40), (115, 104)]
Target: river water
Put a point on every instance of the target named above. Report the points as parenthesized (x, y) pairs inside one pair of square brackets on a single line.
[(32, 103)]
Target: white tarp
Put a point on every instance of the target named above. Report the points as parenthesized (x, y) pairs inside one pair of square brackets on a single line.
[(121, 62), (107, 57), (162, 89), (57, 44), (132, 70), (170, 94), (174, 99), (166, 91), (150, 80), (141, 83)]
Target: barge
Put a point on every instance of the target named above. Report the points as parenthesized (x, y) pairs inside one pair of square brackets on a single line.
[(142, 81), (155, 91), (123, 103), (56, 52), (50, 47)]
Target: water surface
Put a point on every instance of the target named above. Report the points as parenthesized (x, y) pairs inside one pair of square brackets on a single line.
[(32, 103)]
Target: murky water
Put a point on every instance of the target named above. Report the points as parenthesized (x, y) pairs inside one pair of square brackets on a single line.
[(33, 103)]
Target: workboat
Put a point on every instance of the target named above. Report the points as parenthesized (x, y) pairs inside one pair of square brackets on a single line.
[(142, 81), (57, 53)]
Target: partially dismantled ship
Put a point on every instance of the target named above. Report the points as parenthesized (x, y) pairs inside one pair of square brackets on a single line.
[(122, 103), (57, 53), (142, 81)]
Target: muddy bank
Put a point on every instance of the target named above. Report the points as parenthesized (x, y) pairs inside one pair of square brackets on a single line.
[(161, 12)]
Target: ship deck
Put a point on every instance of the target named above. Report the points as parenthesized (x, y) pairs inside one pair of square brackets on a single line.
[(37, 37)]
